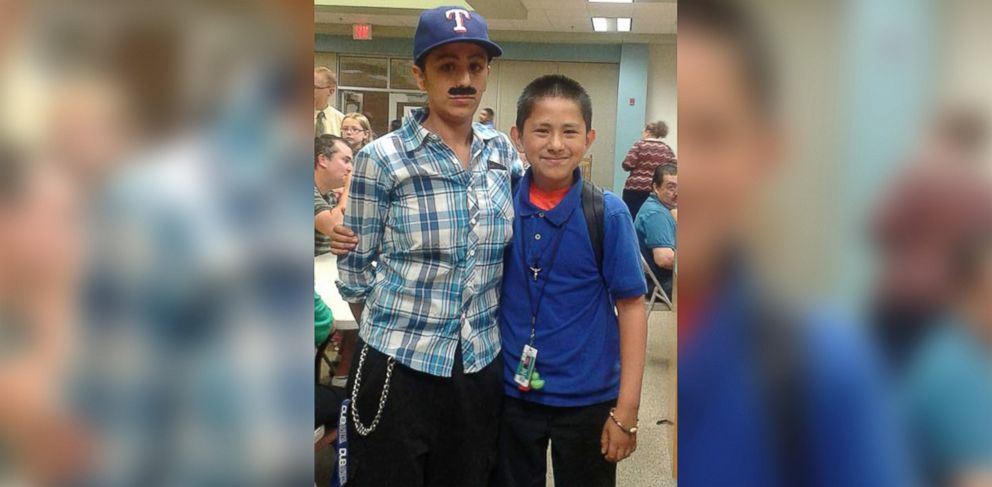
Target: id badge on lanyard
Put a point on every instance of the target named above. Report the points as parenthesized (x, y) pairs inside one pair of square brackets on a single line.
[(526, 377), (525, 370)]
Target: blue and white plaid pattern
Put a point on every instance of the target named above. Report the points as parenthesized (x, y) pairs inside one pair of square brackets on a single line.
[(438, 233)]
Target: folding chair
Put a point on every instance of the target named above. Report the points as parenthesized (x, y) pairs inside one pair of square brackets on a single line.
[(658, 294)]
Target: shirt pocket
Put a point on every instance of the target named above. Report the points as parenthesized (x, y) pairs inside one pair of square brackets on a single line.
[(425, 221), (499, 205)]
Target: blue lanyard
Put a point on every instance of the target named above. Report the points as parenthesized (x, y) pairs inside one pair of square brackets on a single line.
[(535, 307)]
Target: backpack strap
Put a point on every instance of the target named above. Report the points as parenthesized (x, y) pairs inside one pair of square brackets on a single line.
[(777, 347), (514, 183), (594, 209)]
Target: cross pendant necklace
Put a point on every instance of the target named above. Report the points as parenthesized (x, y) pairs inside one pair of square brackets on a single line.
[(535, 270)]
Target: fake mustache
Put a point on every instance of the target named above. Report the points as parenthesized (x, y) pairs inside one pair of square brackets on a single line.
[(462, 91)]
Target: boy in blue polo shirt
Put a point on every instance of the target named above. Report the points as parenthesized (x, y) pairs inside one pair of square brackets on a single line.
[(573, 367)]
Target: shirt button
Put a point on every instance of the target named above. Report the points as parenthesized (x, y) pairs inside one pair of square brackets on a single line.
[(471, 253), (540, 215), (537, 236), (470, 188), (471, 222)]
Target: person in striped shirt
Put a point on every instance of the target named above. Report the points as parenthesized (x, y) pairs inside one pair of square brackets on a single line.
[(431, 206), (642, 159)]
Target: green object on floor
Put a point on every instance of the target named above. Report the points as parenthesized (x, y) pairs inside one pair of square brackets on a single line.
[(323, 320)]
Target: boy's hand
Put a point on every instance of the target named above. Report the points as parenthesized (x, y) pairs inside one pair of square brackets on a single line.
[(343, 240), (616, 444)]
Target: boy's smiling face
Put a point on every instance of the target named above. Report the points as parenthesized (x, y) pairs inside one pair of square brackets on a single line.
[(554, 138)]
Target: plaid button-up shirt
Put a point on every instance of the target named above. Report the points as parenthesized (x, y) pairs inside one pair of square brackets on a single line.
[(438, 232)]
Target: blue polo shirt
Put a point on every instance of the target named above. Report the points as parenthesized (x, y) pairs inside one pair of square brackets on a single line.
[(655, 227), (577, 334), (726, 426)]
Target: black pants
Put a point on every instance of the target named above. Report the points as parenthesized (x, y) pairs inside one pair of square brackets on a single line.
[(634, 200), (434, 431), (575, 451)]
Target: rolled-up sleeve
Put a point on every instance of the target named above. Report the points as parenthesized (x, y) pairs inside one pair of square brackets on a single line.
[(659, 231), (365, 214)]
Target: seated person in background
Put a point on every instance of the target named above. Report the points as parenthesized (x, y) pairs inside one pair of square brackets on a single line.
[(331, 173), (949, 386), (655, 225), (641, 161)]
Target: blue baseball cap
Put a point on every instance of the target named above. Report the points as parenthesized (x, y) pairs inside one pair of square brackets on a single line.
[(444, 25)]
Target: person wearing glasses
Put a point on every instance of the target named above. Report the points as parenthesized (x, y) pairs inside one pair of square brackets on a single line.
[(356, 129), (326, 119)]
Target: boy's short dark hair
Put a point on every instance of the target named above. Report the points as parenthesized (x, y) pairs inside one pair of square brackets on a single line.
[(489, 111), (730, 21), (663, 170), (553, 85), (327, 145)]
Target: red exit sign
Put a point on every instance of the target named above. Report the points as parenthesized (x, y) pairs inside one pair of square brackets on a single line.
[(361, 32)]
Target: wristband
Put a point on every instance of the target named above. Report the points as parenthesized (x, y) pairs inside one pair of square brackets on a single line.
[(631, 431)]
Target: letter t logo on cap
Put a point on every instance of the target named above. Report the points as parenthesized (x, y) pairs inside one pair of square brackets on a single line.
[(460, 15)]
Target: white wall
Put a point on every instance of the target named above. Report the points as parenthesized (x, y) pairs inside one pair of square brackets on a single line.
[(662, 98)]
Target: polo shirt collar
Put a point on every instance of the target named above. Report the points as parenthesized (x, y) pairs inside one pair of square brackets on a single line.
[(557, 215), (413, 134), (654, 197)]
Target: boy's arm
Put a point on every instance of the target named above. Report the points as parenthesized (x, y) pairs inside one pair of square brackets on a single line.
[(633, 320), (367, 206), (615, 443), (625, 279)]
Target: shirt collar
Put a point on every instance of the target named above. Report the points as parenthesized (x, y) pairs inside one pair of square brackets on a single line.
[(413, 134), (657, 200), (557, 215)]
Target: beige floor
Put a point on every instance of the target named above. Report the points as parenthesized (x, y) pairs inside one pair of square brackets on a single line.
[(651, 464)]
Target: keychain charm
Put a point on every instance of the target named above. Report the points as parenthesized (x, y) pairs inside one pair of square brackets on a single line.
[(536, 383)]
